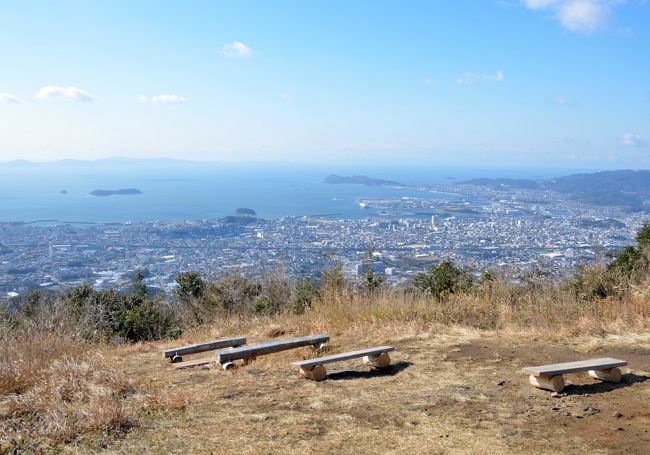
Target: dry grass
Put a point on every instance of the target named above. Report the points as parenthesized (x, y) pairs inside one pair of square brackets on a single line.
[(57, 392), (495, 306)]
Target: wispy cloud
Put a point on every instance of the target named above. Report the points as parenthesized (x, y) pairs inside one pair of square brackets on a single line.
[(561, 101), (67, 93), (582, 16), (633, 140), (466, 79), (237, 49), (498, 76), (162, 99), (6, 98), (471, 78)]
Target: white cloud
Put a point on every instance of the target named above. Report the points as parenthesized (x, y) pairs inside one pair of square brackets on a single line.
[(540, 4), (583, 16), (6, 98), (237, 49), (67, 93), (162, 99), (471, 78), (633, 140)]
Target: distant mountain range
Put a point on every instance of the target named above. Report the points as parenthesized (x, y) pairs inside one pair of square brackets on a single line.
[(359, 180), (626, 188), (113, 161)]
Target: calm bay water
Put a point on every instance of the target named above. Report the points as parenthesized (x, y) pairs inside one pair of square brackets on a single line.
[(190, 191)]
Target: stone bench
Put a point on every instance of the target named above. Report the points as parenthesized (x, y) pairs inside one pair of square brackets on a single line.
[(247, 353), (550, 377), (376, 357), (176, 353)]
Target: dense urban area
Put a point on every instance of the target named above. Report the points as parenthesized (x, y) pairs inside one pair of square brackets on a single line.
[(512, 230)]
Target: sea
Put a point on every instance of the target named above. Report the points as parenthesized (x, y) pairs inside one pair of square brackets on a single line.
[(58, 193)]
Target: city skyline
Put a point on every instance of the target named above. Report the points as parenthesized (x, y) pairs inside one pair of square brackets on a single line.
[(505, 83)]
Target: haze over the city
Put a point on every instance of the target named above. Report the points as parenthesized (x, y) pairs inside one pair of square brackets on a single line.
[(495, 83)]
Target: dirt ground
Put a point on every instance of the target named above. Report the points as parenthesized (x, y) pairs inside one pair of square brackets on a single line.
[(456, 393)]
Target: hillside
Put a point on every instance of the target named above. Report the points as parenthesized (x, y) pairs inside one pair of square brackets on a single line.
[(627, 188)]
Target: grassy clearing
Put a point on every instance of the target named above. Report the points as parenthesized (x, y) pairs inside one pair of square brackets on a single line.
[(450, 390)]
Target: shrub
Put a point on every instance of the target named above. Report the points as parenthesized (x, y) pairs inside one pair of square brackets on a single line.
[(150, 320), (276, 293), (443, 280), (234, 295), (332, 282), (303, 295), (589, 283)]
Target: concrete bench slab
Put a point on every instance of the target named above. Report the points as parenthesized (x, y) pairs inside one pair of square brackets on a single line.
[(176, 353), (313, 368), (550, 376), (193, 363), (249, 352)]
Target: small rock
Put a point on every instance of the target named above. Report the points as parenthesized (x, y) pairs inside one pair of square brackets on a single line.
[(620, 429), (555, 408), (617, 414), (501, 382)]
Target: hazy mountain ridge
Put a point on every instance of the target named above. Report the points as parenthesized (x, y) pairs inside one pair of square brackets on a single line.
[(628, 188), (111, 161)]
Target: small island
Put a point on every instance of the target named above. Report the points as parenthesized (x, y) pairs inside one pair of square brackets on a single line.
[(122, 192), (245, 212), (360, 180)]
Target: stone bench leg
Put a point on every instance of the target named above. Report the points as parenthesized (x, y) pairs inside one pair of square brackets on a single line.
[(377, 361), (552, 383), (316, 373), (177, 359), (228, 366), (611, 375)]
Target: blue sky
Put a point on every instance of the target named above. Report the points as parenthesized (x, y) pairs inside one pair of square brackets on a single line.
[(553, 83)]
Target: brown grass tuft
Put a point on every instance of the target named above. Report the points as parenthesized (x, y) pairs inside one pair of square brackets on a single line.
[(56, 391)]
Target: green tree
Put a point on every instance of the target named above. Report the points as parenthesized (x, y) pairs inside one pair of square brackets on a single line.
[(138, 288), (190, 285), (371, 281), (442, 280), (643, 236)]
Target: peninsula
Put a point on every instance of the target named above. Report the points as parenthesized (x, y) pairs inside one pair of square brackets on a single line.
[(360, 180), (126, 191)]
